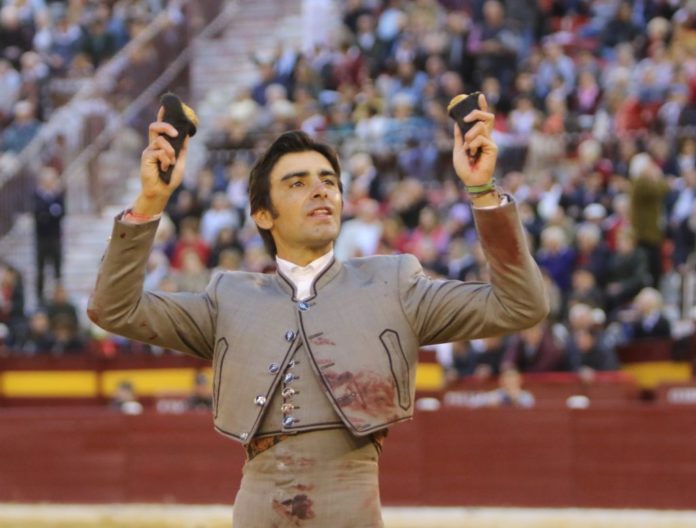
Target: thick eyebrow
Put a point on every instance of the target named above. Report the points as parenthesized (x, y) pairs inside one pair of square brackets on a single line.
[(304, 174)]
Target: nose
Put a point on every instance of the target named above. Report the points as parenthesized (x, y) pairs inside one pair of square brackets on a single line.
[(320, 189)]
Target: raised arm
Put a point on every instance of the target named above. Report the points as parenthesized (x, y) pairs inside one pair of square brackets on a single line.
[(448, 310), (181, 321)]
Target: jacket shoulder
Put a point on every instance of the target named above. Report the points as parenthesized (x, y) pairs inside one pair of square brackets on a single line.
[(386, 263)]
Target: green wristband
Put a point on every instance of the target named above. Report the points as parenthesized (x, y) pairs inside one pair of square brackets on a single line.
[(480, 189)]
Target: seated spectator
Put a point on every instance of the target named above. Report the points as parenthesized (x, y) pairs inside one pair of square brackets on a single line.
[(202, 396), (189, 238), (22, 130), (536, 349), (67, 338), (12, 303), (585, 290), (646, 320), (125, 400), (360, 236), (591, 255), (509, 393), (60, 308), (39, 339), (219, 216), (587, 348), (192, 275), (556, 256), (627, 272)]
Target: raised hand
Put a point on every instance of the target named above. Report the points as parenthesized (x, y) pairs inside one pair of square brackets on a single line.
[(154, 192), (477, 169)]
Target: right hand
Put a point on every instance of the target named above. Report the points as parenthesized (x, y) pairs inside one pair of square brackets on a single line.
[(154, 192)]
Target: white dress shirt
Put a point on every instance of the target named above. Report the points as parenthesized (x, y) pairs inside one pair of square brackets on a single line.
[(303, 276)]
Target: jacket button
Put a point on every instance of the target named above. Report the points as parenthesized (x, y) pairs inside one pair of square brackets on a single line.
[(289, 377), (287, 408), (303, 306), (273, 368), (288, 421), (288, 392), (260, 400), (244, 436), (289, 335)]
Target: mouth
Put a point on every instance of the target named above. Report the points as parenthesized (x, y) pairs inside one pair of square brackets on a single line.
[(321, 212)]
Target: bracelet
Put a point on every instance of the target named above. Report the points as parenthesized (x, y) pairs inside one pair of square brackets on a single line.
[(476, 190), (129, 213)]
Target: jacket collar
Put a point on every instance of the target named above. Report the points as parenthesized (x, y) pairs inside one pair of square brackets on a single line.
[(324, 277)]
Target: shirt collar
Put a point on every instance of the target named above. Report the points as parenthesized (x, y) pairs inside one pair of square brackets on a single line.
[(292, 270)]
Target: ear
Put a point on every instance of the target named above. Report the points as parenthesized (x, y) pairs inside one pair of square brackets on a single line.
[(263, 219)]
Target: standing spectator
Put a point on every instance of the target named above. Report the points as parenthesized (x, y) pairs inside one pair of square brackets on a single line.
[(647, 210), (49, 209)]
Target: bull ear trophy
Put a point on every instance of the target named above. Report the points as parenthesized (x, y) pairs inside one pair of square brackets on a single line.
[(184, 119)]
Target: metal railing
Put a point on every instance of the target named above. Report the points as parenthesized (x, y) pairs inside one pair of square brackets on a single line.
[(99, 97)]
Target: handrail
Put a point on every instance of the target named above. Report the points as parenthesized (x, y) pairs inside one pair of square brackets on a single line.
[(16, 170), (149, 94)]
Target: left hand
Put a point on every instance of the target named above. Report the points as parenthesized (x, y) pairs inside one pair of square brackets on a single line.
[(471, 170)]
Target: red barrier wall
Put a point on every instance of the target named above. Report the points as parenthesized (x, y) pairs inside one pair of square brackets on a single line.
[(627, 456)]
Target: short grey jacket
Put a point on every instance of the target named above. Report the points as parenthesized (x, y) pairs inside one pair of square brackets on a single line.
[(362, 326)]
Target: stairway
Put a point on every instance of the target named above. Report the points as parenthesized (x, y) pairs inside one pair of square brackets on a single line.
[(220, 67)]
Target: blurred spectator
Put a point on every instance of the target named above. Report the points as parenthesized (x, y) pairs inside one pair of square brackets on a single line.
[(591, 254), (10, 84), (556, 256), (98, 41), (125, 400), (359, 236), (627, 273), (49, 210), (586, 345), (60, 310), (12, 303), (189, 238), (192, 275), (536, 349), (39, 338), (509, 393), (22, 130), (219, 216), (647, 210), (646, 319), (202, 396)]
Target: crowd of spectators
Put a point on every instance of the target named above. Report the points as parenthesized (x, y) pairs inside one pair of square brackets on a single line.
[(48, 47), (595, 106)]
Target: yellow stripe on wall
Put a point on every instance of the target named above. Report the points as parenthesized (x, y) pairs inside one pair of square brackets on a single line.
[(150, 382), (37, 383), (650, 374), (429, 376)]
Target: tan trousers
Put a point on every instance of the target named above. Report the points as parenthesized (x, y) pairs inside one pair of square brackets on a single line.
[(317, 479)]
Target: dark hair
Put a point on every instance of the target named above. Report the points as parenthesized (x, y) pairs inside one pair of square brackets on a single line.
[(260, 176)]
